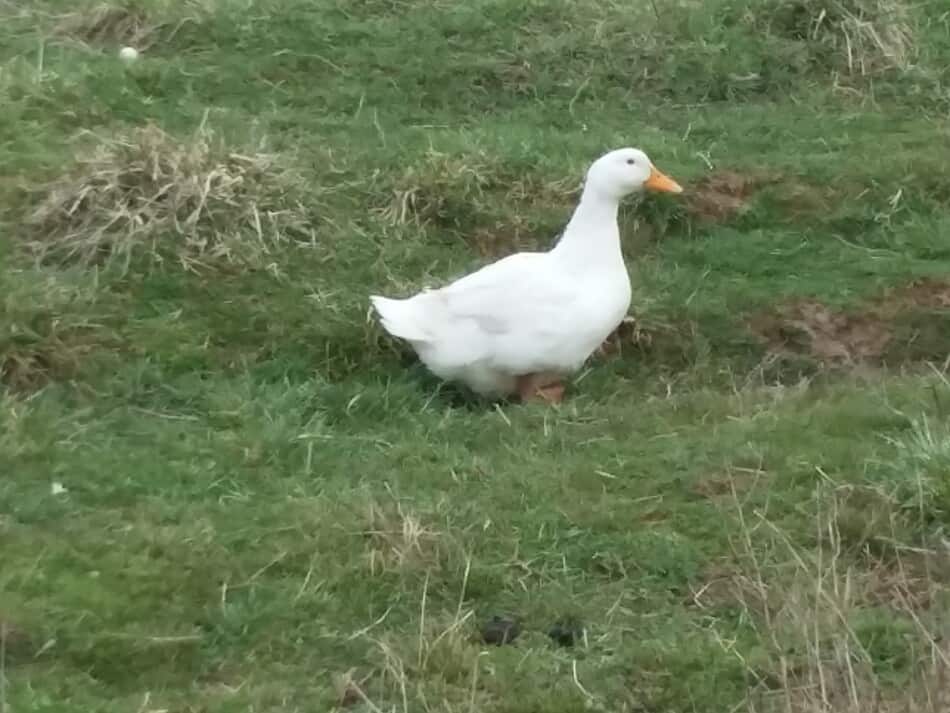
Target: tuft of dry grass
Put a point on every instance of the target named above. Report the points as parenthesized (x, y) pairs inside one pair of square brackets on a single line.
[(194, 201), (125, 23), (438, 660), (108, 24), (399, 540), (349, 689), (469, 191), (833, 622), (866, 36), (442, 189), (418, 666)]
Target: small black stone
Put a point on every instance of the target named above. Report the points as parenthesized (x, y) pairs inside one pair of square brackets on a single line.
[(566, 632), (499, 631)]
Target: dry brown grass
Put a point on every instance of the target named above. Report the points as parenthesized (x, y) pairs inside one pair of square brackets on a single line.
[(828, 618), (416, 668), (126, 23), (442, 189), (400, 540), (436, 666), (865, 36), (469, 190), (148, 194), (871, 35), (108, 24)]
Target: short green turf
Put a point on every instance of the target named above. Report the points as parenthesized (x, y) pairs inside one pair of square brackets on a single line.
[(224, 489)]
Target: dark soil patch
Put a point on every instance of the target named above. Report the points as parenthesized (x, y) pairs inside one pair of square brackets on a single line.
[(877, 333), (721, 196), (934, 294), (809, 326), (724, 196)]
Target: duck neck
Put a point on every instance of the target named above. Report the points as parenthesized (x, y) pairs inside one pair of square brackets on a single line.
[(592, 236)]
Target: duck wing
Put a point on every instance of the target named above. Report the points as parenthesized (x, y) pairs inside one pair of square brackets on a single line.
[(510, 314)]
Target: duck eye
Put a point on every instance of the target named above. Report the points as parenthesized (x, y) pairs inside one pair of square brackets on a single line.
[(630, 162)]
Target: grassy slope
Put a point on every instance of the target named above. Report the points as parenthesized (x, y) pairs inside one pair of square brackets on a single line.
[(261, 497)]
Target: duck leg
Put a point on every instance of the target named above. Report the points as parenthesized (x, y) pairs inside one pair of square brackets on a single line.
[(543, 387)]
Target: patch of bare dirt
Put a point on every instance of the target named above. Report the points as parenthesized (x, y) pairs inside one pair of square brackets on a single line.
[(724, 195), (721, 196), (810, 326), (813, 328), (929, 293)]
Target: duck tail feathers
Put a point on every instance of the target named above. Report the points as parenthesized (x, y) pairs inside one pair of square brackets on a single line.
[(400, 318)]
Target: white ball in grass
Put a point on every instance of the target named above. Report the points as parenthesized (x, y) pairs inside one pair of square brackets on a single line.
[(128, 54)]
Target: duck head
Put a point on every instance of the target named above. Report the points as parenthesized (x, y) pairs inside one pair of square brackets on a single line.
[(625, 171)]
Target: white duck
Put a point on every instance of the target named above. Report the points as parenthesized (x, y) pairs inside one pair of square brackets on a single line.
[(521, 324)]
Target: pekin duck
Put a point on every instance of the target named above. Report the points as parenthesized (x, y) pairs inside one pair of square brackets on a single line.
[(523, 323)]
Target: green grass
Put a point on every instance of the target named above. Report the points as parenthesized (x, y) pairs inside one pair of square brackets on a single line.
[(225, 489)]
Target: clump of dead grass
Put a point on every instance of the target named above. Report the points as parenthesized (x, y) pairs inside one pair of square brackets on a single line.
[(125, 23), (443, 189), (193, 201), (436, 659), (472, 192), (108, 24), (864, 37), (399, 540), (442, 649), (836, 624)]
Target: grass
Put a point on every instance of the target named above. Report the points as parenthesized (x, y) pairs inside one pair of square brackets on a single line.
[(149, 193), (226, 489)]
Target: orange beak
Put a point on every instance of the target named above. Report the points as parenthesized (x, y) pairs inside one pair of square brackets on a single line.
[(662, 183)]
